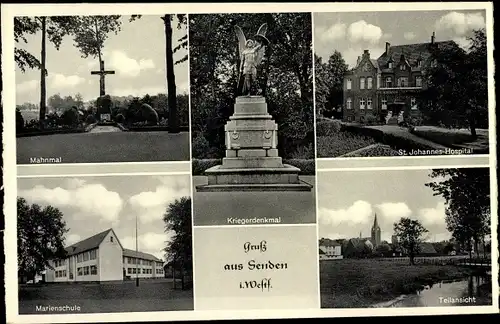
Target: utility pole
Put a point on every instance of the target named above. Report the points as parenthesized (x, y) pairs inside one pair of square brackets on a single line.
[(137, 255)]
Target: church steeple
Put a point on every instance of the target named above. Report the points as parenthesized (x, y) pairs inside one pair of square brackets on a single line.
[(376, 232)]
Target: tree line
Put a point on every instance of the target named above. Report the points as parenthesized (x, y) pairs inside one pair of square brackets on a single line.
[(89, 34)]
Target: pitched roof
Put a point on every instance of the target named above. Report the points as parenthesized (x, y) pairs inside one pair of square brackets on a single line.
[(427, 248), (412, 52), (140, 255), (328, 242), (321, 251), (90, 243)]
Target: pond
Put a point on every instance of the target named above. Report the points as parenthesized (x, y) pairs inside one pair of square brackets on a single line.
[(465, 292)]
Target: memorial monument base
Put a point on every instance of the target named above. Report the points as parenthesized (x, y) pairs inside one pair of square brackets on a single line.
[(252, 162)]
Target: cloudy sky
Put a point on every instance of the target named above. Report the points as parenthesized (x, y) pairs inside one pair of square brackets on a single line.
[(348, 201), (351, 33), (93, 204), (136, 53)]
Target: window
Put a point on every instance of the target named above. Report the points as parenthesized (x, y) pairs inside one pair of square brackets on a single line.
[(80, 272), (80, 258), (413, 103), (93, 254), (402, 82), (419, 63), (349, 103), (388, 82), (349, 118), (349, 84), (384, 104), (361, 83), (361, 103), (402, 67), (144, 271), (64, 273), (71, 275), (369, 82), (111, 238), (390, 65), (418, 81), (86, 271), (93, 270), (129, 270), (369, 103), (85, 256)]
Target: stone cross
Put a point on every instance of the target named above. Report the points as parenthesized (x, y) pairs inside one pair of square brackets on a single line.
[(102, 73)]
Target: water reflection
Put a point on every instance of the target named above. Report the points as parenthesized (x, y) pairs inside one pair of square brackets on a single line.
[(446, 293)]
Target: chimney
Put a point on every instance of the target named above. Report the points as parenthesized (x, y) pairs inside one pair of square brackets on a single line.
[(359, 60), (366, 53), (387, 48), (433, 37)]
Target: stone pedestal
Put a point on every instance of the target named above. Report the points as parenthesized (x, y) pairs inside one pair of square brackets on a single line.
[(252, 162)]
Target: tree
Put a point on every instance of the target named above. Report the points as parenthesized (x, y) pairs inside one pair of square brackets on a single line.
[(177, 221), (467, 196), (54, 28), (456, 92), (40, 237), (329, 82), (410, 235), (383, 250)]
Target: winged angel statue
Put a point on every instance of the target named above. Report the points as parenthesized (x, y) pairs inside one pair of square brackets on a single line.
[(251, 54)]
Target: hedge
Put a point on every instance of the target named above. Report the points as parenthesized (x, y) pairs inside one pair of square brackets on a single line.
[(37, 132), (444, 137), (307, 167), (155, 128), (327, 127)]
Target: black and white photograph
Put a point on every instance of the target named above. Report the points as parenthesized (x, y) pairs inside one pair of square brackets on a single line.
[(405, 238), (111, 88), (406, 83), (104, 244), (252, 112)]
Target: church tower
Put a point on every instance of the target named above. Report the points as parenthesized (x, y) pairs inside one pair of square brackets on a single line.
[(375, 232)]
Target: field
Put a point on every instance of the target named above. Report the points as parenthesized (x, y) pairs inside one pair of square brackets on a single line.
[(151, 295), (105, 147), (360, 283)]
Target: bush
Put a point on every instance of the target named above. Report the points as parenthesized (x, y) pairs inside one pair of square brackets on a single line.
[(70, 117), (200, 147), (370, 151), (370, 119), (199, 166), (90, 119), (328, 127), (303, 152), (307, 167), (120, 118), (149, 115)]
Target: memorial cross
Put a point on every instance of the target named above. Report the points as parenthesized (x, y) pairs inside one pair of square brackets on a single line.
[(102, 73)]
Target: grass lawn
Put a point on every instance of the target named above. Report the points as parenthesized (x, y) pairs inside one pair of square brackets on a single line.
[(459, 138), (352, 283), (151, 295), (106, 147)]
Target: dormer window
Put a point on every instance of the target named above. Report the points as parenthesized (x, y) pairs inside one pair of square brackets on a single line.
[(402, 67), (419, 63), (390, 65), (111, 238)]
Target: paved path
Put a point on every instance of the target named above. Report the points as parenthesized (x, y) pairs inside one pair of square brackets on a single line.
[(104, 129), (105, 147)]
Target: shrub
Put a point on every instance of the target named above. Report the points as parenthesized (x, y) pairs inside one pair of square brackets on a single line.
[(90, 119), (303, 152), (444, 137), (370, 151), (149, 115), (341, 143), (307, 167), (199, 166), (200, 147), (120, 118), (370, 119), (328, 127), (70, 117)]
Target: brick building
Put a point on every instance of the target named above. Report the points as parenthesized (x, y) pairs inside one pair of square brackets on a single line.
[(386, 89)]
